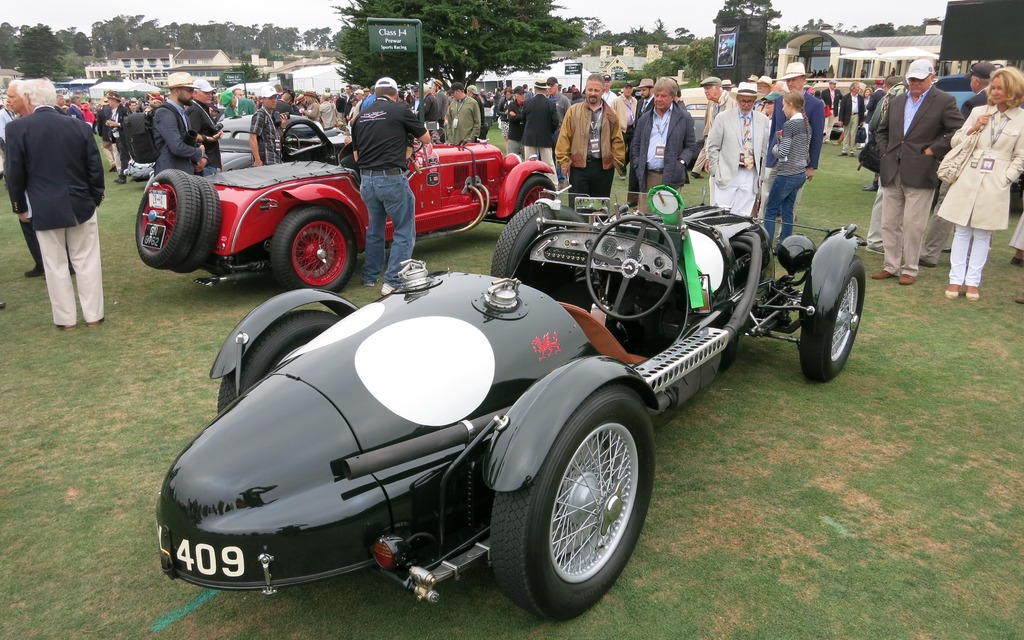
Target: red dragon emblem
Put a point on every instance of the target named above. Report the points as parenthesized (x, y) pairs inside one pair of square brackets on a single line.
[(547, 346)]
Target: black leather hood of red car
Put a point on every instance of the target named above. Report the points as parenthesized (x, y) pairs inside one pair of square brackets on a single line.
[(272, 174)]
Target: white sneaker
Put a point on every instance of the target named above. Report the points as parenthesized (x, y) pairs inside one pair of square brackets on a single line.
[(386, 289)]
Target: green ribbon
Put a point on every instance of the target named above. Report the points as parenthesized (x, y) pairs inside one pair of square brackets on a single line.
[(693, 288)]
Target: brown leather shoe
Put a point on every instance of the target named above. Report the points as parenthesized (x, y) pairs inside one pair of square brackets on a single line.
[(882, 275), (1019, 299), (95, 324), (907, 280)]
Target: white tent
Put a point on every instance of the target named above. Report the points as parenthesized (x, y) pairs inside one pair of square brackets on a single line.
[(909, 53), (321, 78), (490, 81), (124, 87), (860, 55)]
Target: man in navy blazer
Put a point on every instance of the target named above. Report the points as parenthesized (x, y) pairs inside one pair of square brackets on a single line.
[(814, 109), (171, 127), (55, 179), (912, 139), (664, 141)]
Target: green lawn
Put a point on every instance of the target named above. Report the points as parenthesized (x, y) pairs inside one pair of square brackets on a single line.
[(885, 504)]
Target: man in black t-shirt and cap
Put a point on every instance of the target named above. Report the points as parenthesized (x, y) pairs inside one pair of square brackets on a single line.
[(380, 134)]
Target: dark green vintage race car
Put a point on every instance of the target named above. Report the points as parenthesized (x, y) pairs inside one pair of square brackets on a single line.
[(501, 419)]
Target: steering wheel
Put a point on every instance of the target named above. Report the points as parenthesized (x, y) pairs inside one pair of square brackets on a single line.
[(629, 265)]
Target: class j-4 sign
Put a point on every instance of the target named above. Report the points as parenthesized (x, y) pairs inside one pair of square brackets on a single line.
[(393, 37)]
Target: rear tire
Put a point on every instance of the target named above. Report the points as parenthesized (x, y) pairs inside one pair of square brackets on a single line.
[(209, 227), (180, 220), (287, 333), (559, 544), (313, 248), (823, 355)]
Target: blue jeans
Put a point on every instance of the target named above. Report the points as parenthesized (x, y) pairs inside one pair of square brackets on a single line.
[(781, 200), (386, 196)]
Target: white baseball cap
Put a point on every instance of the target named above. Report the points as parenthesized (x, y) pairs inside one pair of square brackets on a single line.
[(920, 69), (203, 85), (268, 92), (386, 83)]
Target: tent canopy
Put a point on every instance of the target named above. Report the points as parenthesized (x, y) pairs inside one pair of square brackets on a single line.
[(126, 88), (909, 53), (860, 55)]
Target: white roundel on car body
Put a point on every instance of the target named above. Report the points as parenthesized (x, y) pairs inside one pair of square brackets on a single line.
[(709, 258), (344, 328), (432, 371)]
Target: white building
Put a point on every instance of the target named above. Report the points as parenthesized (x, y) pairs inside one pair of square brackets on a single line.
[(154, 65)]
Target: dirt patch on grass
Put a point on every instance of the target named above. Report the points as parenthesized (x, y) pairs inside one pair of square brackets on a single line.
[(72, 494)]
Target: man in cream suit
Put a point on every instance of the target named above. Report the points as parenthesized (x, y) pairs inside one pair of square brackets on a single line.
[(737, 146)]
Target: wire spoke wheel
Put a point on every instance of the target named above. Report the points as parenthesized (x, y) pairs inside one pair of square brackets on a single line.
[(318, 253), (846, 320), (594, 499)]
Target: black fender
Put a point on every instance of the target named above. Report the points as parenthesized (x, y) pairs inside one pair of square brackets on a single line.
[(538, 416), (257, 321), (826, 278)]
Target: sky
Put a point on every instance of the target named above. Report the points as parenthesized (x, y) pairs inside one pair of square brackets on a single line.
[(618, 16)]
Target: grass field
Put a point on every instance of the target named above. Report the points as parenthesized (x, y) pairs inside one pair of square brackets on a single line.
[(885, 504)]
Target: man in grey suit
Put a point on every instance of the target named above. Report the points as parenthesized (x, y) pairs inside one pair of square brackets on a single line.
[(737, 147), (912, 139)]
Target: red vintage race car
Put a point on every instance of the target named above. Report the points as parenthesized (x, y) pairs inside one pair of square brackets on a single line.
[(305, 221)]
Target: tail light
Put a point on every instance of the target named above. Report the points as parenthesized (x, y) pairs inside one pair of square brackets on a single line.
[(389, 552)]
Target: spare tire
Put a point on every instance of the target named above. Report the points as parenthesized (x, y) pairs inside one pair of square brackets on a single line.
[(165, 227), (208, 226)]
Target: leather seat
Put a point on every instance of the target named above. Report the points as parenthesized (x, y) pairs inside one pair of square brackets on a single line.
[(600, 336)]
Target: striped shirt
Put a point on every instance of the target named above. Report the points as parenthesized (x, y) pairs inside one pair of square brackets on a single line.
[(791, 150)]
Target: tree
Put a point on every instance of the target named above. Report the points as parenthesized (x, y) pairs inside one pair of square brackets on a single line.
[(249, 73), (318, 38), (593, 27), (684, 36), (82, 46), (39, 52), (8, 46), (700, 57), (880, 30), (461, 39), (742, 8), (666, 65), (773, 42)]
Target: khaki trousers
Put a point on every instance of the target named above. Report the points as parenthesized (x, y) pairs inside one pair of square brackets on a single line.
[(111, 153), (82, 244), (850, 135), (904, 216)]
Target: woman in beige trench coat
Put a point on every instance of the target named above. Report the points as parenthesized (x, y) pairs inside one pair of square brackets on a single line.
[(978, 203)]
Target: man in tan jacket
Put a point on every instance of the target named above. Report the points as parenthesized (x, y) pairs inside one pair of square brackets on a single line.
[(718, 100), (590, 146)]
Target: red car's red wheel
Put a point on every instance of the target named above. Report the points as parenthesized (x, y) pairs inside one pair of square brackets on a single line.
[(313, 248), (531, 190), (168, 219)]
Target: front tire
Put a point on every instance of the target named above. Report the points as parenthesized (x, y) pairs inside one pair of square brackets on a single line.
[(287, 333), (823, 355), (313, 248), (560, 543), (531, 189), (515, 240)]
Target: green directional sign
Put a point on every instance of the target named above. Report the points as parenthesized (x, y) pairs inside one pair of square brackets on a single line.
[(618, 74), (573, 68), (391, 37), (232, 78)]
